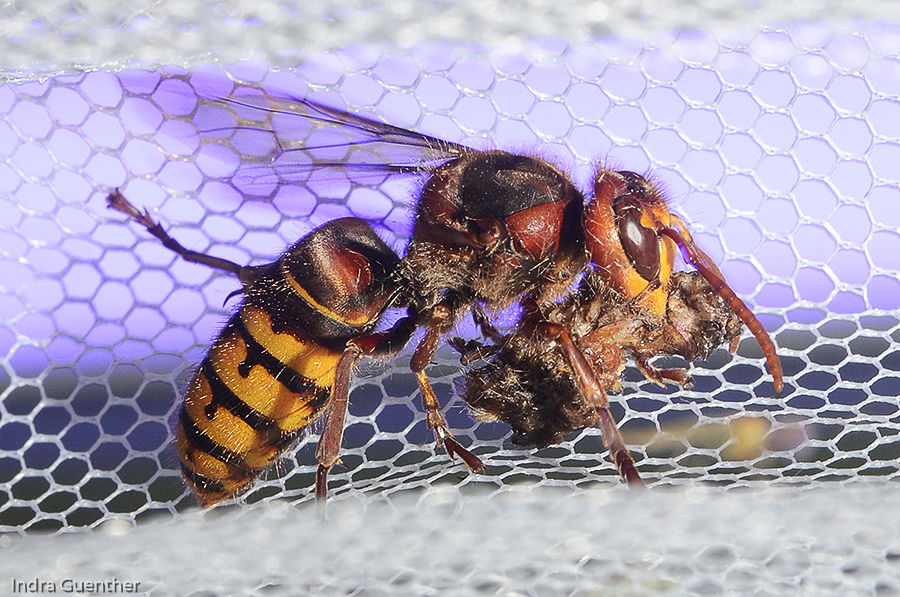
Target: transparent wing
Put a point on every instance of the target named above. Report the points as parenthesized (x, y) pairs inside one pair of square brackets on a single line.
[(267, 139)]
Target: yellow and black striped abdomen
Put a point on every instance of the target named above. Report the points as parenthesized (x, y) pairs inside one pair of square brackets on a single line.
[(245, 406), (270, 372)]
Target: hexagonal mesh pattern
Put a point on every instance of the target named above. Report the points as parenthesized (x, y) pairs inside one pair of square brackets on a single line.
[(777, 147)]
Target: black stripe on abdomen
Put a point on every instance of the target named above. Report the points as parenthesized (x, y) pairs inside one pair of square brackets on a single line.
[(288, 377), (221, 395), (202, 482), (199, 440)]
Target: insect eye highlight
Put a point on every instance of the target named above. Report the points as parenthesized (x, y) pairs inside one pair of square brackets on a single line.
[(640, 244)]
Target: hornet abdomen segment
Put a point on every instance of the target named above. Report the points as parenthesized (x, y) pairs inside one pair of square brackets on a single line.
[(270, 372)]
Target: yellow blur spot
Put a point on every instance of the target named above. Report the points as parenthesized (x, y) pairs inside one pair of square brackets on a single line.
[(748, 438)]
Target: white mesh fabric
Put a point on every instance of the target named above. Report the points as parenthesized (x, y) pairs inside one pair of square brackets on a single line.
[(516, 542), (777, 146)]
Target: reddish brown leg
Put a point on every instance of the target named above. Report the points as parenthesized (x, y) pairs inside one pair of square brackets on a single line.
[(595, 393), (118, 202), (660, 376), (329, 448), (441, 318), (373, 345)]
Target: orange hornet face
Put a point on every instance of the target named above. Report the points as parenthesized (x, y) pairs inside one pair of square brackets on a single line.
[(622, 237), (631, 237)]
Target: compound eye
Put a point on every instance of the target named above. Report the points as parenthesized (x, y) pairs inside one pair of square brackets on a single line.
[(641, 244)]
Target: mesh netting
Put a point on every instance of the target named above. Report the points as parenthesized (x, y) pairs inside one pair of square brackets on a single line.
[(777, 147)]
